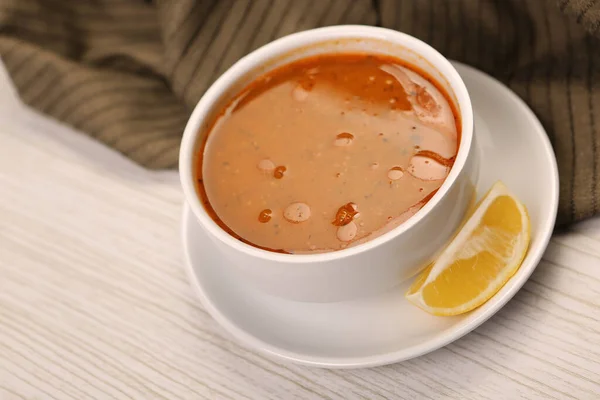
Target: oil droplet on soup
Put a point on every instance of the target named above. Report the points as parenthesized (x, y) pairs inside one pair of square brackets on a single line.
[(345, 214), (357, 130), (297, 212), (347, 232), (395, 173), (299, 93), (265, 215), (266, 165), (279, 172), (429, 166), (344, 139)]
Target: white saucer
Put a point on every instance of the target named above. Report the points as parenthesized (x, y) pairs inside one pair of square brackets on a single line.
[(386, 328)]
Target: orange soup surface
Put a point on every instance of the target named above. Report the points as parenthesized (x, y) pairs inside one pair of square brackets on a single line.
[(327, 152)]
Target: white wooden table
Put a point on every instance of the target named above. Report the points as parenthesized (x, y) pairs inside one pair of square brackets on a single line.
[(94, 303)]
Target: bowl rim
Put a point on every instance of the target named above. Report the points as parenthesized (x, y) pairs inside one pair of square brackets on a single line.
[(286, 45)]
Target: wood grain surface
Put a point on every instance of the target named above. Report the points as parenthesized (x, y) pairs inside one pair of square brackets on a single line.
[(94, 303)]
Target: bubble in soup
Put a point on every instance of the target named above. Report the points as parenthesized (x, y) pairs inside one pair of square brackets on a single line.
[(327, 152)]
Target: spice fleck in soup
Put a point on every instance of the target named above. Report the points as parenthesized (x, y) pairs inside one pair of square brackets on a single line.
[(327, 152)]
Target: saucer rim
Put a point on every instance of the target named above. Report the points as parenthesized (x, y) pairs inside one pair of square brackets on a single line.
[(441, 339)]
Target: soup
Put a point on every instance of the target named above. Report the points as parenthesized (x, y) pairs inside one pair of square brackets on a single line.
[(327, 152)]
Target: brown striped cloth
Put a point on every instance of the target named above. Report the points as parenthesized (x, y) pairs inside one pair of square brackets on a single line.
[(128, 72)]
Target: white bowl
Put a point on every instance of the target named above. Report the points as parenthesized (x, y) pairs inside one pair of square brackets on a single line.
[(348, 273), (387, 328)]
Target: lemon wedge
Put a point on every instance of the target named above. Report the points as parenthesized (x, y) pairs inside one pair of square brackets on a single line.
[(484, 254)]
